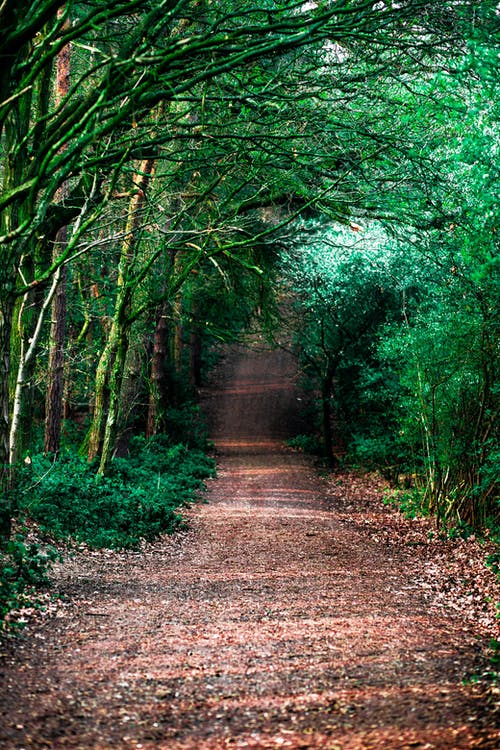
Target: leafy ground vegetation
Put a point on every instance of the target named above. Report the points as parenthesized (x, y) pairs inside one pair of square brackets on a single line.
[(62, 503), (138, 499)]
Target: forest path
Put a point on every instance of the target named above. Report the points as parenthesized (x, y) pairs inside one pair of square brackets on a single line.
[(279, 620)]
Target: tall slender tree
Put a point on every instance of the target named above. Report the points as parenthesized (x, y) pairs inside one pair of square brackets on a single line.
[(55, 371)]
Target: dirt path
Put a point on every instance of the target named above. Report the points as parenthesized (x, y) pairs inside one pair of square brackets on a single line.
[(277, 621)]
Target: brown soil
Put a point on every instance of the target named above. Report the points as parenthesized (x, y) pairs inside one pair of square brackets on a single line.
[(292, 614)]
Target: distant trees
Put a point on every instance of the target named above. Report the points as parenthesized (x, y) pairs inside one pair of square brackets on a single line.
[(401, 343), (344, 292)]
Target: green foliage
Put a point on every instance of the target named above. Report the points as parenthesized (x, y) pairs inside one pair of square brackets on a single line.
[(398, 319), (23, 566), (186, 425), (411, 502), (493, 561), (449, 368), (461, 530), (252, 115), (139, 499), (495, 655), (310, 444), (345, 290), (406, 341), (378, 449)]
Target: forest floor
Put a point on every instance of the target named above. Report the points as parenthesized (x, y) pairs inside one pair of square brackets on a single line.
[(297, 611)]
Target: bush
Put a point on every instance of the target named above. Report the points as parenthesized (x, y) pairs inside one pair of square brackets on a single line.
[(138, 500), (306, 443), (411, 502)]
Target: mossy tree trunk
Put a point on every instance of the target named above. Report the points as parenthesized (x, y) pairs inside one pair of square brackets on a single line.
[(112, 361), (159, 381), (55, 375), (6, 310)]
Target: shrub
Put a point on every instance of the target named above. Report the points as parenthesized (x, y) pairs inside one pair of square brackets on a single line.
[(307, 443), (411, 502)]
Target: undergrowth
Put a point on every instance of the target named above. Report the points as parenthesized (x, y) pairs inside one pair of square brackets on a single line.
[(24, 567), (141, 497), (411, 502), (309, 444)]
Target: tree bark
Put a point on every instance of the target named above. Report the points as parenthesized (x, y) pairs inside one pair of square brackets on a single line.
[(24, 368), (6, 311), (55, 375), (15, 128), (111, 365), (100, 400), (119, 347), (195, 357), (158, 395)]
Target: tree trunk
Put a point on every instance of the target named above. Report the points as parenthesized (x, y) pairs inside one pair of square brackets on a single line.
[(101, 397), (178, 339), (120, 346), (24, 368), (195, 357), (132, 416), (6, 311), (326, 395), (158, 395), (111, 365), (15, 161), (55, 376)]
